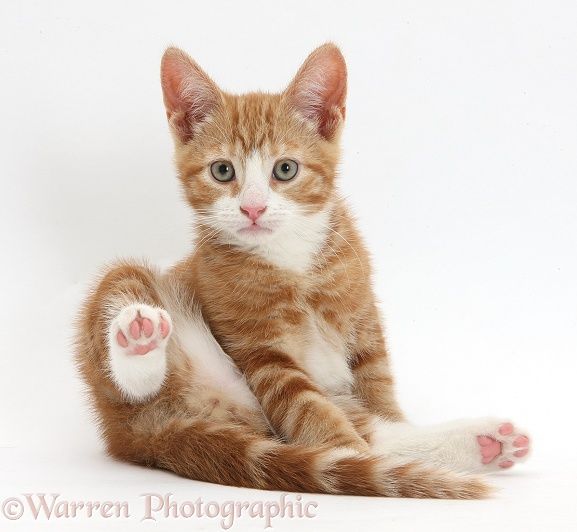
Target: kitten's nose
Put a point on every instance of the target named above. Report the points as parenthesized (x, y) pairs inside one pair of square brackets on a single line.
[(253, 211)]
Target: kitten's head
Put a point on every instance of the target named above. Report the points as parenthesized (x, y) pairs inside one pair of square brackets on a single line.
[(258, 167)]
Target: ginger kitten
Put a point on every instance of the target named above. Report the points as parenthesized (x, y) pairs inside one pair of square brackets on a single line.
[(260, 360)]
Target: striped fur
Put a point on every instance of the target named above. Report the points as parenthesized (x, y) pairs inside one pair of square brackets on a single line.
[(199, 430), (277, 368)]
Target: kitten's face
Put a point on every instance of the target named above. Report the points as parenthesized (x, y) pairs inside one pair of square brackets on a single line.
[(258, 167)]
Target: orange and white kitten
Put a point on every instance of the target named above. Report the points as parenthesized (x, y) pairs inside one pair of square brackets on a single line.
[(259, 360)]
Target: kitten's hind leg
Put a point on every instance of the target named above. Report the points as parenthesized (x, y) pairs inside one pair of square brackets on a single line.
[(231, 454), (472, 445)]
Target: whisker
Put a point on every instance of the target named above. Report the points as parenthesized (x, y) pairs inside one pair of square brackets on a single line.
[(348, 243)]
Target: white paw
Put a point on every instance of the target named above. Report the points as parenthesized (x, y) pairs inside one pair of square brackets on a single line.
[(501, 446), (480, 445), (472, 445), (137, 341)]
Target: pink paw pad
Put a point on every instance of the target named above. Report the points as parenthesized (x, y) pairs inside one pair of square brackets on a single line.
[(140, 329), (505, 429), (147, 327), (164, 327), (143, 349), (490, 448), (520, 453), (135, 329), (121, 339), (503, 447), (521, 441)]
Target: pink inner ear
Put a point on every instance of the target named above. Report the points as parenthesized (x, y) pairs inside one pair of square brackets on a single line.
[(171, 90), (319, 89), (189, 94)]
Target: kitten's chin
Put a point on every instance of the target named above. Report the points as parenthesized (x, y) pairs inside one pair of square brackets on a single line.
[(255, 230), (254, 235)]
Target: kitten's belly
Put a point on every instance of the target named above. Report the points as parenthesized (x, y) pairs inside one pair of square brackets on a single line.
[(213, 367), (325, 359)]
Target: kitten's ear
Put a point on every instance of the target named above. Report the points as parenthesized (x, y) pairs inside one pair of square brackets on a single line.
[(190, 96), (319, 89)]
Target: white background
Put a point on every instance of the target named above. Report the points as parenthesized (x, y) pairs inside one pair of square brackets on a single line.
[(460, 159)]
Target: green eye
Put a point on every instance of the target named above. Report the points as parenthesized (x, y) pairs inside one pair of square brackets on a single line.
[(285, 169), (222, 171)]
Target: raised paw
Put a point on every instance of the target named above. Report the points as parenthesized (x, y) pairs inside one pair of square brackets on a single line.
[(137, 357), (503, 446), (141, 328)]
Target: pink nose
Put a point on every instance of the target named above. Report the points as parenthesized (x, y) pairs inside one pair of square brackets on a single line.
[(253, 211)]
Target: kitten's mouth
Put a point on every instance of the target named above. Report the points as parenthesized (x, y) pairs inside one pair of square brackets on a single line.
[(255, 229)]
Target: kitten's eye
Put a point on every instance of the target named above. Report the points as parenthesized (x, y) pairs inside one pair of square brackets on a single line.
[(285, 169), (222, 171)]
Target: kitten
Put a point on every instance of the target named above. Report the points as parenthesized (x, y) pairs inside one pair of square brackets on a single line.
[(260, 360)]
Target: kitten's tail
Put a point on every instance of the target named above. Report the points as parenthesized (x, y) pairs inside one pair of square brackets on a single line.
[(232, 456)]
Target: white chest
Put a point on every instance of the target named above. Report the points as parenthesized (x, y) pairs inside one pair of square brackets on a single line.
[(325, 358)]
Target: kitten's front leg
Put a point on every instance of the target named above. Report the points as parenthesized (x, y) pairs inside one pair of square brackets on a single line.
[(369, 361), (297, 410), (470, 445)]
